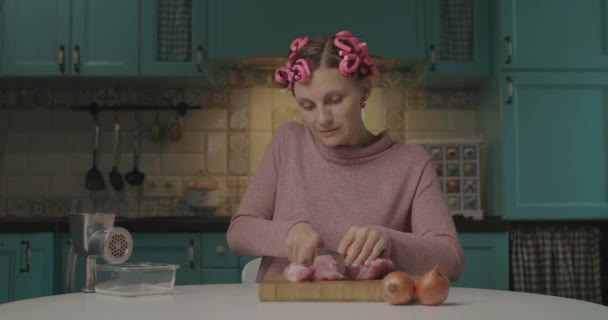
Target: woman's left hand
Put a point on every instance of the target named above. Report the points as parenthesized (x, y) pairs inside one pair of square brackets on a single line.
[(362, 243)]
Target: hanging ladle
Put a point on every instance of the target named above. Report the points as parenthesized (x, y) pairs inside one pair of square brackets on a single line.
[(115, 176), (94, 179), (135, 177)]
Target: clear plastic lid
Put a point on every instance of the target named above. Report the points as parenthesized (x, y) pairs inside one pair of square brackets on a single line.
[(137, 266)]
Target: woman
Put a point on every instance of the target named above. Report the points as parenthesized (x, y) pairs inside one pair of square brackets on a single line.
[(329, 182)]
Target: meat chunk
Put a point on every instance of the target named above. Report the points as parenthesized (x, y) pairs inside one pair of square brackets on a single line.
[(297, 272), (375, 269), (327, 268)]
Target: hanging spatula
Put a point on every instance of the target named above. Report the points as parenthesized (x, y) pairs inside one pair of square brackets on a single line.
[(115, 176), (135, 177), (94, 179)]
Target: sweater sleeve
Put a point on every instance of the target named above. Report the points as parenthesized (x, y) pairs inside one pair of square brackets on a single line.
[(252, 230), (433, 239)]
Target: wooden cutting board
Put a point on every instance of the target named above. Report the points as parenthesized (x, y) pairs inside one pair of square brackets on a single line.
[(279, 289)]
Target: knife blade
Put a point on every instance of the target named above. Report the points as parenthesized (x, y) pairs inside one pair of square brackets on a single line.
[(341, 267)]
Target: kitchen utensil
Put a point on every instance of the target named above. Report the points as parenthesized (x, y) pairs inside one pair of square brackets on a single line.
[(135, 177), (115, 176), (94, 178), (340, 266), (94, 236), (156, 130), (135, 279), (277, 288)]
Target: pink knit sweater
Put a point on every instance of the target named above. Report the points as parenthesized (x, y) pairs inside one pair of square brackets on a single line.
[(388, 185)]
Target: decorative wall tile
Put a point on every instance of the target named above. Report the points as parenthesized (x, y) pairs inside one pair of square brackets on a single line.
[(19, 208), (249, 79), (148, 208), (207, 119), (68, 186), (58, 207), (239, 115), (283, 99), (51, 142), (27, 186), (8, 98), (463, 120), (29, 120), (190, 142), (217, 152), (49, 164), (106, 97), (260, 114), (436, 99), (238, 154), (462, 98), (181, 164), (415, 99)]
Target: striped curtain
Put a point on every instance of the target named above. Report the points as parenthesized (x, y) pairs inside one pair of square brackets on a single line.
[(558, 260)]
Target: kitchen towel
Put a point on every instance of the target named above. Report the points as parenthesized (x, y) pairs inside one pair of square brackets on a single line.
[(560, 260), (456, 30), (174, 31)]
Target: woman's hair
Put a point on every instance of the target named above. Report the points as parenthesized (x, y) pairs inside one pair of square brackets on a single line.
[(342, 51)]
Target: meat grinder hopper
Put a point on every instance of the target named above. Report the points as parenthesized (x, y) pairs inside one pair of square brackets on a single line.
[(93, 236)]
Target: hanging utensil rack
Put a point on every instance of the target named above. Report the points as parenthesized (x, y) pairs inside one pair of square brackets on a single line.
[(182, 108)]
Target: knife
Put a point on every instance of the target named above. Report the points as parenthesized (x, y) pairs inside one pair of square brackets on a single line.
[(335, 255)]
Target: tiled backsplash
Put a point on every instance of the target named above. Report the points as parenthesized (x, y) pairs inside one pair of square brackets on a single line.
[(46, 147)]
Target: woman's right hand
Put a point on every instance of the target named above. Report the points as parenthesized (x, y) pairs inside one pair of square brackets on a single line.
[(301, 242)]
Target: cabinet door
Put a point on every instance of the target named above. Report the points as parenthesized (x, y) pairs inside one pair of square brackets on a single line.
[(555, 151), (33, 35), (173, 38), (8, 264), (105, 37), (35, 267), (242, 28), (554, 34), (216, 253), (176, 248), (457, 43), (487, 261)]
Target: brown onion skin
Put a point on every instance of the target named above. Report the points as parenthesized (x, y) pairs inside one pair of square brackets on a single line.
[(397, 288), (432, 287)]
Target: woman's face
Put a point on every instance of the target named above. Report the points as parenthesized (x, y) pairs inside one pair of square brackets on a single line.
[(330, 106)]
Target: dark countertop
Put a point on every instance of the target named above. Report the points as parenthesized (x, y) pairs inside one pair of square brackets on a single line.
[(198, 224)]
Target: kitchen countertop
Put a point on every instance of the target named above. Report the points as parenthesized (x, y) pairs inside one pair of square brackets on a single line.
[(196, 224), (240, 301)]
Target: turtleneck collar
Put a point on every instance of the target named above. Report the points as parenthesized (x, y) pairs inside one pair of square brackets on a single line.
[(350, 155)]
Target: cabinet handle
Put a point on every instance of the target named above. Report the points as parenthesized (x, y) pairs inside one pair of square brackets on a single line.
[(76, 58), (199, 59), (219, 250), (509, 49), (433, 57), (509, 90), (28, 256), (61, 58), (191, 254)]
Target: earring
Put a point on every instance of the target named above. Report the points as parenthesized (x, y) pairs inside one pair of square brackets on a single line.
[(363, 102)]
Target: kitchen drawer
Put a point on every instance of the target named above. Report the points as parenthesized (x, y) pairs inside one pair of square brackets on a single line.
[(216, 253), (220, 276)]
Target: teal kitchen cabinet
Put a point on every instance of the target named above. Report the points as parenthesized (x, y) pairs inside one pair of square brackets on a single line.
[(63, 37), (26, 266), (175, 248), (555, 145), (243, 29), (487, 261), (457, 41), (553, 35), (173, 38), (219, 265)]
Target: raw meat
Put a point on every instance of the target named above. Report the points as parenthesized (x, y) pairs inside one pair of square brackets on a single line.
[(376, 269), (325, 268), (297, 272)]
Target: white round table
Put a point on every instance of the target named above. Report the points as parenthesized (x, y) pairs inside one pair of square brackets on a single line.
[(239, 301)]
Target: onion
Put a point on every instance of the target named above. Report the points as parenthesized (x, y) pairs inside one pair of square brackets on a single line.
[(397, 288), (432, 287)]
